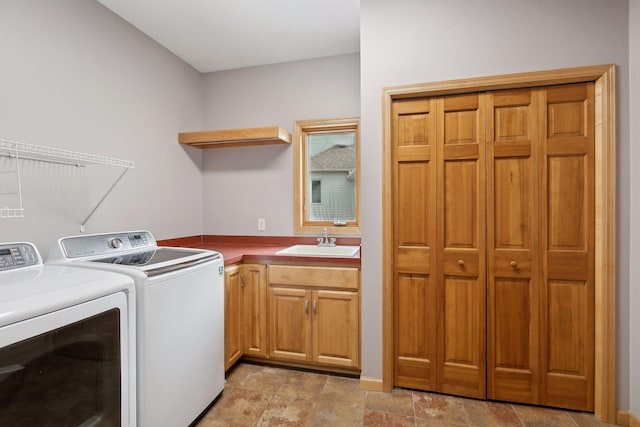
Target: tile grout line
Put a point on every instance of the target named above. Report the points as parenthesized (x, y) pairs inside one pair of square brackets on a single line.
[(517, 415)]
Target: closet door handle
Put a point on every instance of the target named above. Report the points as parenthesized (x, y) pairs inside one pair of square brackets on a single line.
[(306, 306)]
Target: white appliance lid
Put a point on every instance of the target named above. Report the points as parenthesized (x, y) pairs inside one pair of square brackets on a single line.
[(36, 290)]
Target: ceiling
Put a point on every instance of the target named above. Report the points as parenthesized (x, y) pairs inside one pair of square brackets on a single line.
[(214, 35)]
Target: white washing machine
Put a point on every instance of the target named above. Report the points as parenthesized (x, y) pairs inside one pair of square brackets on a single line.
[(180, 319), (67, 343)]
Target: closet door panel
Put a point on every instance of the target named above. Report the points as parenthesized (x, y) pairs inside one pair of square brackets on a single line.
[(413, 136), (462, 364), (567, 236), (461, 246), (414, 234), (512, 187), (415, 345)]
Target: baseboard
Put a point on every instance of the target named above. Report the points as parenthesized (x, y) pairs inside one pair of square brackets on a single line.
[(627, 418), (371, 384)]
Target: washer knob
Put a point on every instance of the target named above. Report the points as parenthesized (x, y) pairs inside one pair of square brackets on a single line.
[(115, 243)]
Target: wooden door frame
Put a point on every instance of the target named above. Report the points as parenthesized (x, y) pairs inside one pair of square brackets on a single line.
[(605, 209)]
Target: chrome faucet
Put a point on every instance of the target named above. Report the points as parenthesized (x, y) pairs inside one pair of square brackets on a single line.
[(326, 241)]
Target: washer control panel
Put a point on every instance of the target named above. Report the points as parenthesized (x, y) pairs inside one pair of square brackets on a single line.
[(106, 244), (17, 255)]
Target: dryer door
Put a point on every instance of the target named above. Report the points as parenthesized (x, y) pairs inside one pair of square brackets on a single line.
[(68, 367)]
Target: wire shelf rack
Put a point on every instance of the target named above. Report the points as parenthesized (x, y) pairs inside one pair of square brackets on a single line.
[(20, 150), (48, 154)]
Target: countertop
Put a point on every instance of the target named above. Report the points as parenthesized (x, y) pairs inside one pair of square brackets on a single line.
[(262, 250)]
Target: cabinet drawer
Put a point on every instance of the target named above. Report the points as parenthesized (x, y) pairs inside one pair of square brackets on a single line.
[(326, 277)]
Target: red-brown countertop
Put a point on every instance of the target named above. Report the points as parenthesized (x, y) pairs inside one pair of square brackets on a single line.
[(261, 249)]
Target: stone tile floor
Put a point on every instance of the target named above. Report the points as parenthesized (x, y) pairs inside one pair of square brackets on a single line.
[(269, 396)]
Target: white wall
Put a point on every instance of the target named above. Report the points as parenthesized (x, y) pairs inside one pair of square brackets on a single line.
[(415, 41), (634, 194), (243, 184), (77, 77)]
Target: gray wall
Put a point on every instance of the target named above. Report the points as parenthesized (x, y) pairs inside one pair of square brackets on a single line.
[(412, 41), (634, 195), (246, 183), (77, 77)]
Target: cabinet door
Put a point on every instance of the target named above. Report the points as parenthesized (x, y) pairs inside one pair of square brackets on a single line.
[(513, 261), (232, 314), (461, 247), (335, 327), (290, 323), (255, 309)]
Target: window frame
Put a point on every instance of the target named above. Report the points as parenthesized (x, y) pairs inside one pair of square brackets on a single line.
[(302, 128)]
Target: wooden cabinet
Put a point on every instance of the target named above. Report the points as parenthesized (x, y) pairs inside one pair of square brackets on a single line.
[(290, 323), (254, 306), (245, 312), (314, 315), (233, 345), (493, 234)]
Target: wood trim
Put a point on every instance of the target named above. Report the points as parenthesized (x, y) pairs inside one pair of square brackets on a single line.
[(371, 384), (627, 418), (605, 202), (387, 244), (605, 256), (504, 81)]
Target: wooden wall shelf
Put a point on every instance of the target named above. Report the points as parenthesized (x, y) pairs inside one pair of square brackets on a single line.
[(235, 137)]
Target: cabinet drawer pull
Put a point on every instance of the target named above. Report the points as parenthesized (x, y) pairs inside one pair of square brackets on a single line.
[(306, 306), (461, 262), (315, 306), (513, 264)]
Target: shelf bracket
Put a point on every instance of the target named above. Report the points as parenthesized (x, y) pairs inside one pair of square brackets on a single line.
[(95, 208)]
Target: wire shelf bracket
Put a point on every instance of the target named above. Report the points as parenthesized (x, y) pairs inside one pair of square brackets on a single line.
[(21, 150)]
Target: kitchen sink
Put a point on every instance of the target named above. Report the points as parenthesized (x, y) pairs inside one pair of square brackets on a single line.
[(320, 251)]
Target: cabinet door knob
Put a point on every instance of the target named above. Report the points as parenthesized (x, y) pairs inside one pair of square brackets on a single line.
[(513, 264), (315, 306), (460, 262), (306, 306)]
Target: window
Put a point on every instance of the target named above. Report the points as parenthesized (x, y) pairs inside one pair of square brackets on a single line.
[(316, 191), (327, 183)]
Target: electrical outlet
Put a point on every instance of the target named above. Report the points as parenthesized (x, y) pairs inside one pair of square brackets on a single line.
[(262, 226)]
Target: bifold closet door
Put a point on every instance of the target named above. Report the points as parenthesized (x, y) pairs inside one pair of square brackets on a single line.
[(493, 232), (414, 243), (541, 226), (439, 244)]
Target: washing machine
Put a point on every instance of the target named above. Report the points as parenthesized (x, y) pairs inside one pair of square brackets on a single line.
[(180, 319), (67, 343)]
